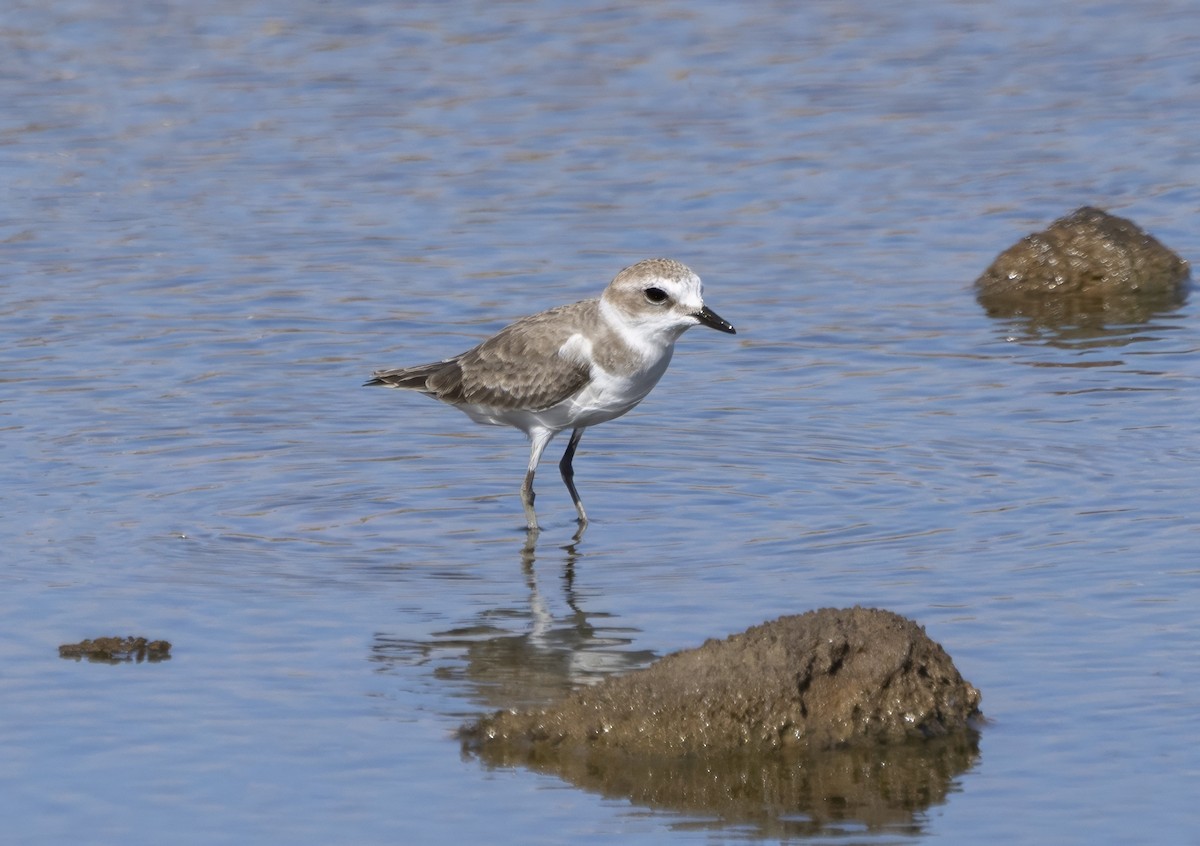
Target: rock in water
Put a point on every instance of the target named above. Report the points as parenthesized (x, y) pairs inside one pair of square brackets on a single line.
[(806, 682), (1087, 263)]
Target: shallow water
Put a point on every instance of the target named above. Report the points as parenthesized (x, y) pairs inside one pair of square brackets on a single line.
[(218, 221)]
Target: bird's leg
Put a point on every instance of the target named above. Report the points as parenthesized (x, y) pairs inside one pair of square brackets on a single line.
[(568, 473), (538, 438), (527, 496)]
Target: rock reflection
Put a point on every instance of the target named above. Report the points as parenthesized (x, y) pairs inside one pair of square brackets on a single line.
[(1074, 317), (876, 787), (1086, 332)]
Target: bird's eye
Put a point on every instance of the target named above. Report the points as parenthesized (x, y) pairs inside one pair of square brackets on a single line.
[(655, 295)]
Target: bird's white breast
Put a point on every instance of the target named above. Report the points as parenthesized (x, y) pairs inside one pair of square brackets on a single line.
[(611, 391)]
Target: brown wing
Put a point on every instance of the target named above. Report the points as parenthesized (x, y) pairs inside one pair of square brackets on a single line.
[(519, 367)]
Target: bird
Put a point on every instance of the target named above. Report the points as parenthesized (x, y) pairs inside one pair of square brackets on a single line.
[(572, 366)]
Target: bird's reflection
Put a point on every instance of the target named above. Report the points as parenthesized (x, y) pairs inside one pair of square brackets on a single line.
[(511, 656)]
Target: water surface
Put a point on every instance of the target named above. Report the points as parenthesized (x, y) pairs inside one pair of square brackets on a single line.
[(217, 221)]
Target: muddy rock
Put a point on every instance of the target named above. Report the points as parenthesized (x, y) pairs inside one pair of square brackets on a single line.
[(807, 682), (1087, 263)]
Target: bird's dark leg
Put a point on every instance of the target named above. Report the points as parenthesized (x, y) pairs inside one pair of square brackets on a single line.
[(568, 473)]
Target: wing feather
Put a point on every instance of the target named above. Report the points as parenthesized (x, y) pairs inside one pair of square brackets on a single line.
[(520, 367)]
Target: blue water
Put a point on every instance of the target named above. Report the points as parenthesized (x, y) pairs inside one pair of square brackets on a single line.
[(218, 219)]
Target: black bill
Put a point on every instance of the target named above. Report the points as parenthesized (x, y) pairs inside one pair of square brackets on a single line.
[(715, 321)]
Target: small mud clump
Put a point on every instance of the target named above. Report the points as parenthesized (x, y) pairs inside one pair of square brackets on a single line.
[(1087, 263), (117, 650), (806, 682)]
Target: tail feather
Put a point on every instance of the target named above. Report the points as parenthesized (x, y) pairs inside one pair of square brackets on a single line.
[(410, 378)]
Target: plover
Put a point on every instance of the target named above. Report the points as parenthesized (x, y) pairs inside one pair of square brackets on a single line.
[(572, 366)]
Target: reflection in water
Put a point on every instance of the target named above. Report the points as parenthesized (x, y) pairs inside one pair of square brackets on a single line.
[(547, 657), (879, 787), (1083, 336), (1072, 322)]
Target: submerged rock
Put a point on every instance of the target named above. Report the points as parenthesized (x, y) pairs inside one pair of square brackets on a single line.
[(115, 650), (808, 682), (1087, 264)]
